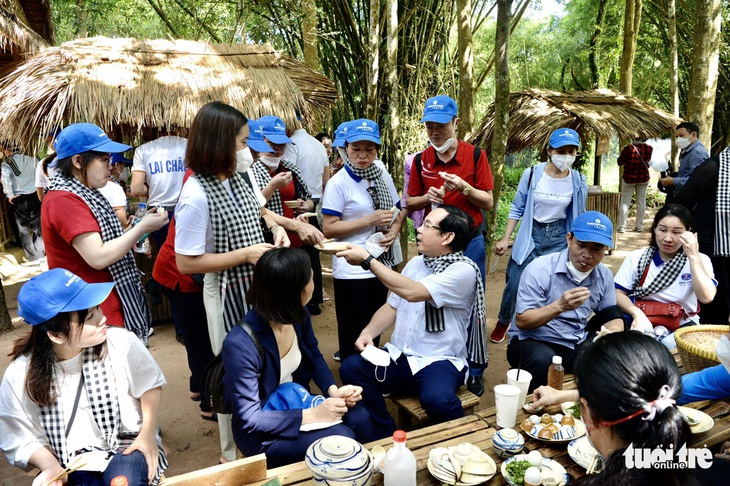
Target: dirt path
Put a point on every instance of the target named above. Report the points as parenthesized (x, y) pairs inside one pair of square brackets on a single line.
[(192, 443)]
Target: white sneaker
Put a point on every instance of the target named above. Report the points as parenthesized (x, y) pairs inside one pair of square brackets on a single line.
[(151, 331)]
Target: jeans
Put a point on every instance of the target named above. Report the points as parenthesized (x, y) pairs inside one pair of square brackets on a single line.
[(670, 342), (133, 466), (548, 238), (537, 356), (627, 191)]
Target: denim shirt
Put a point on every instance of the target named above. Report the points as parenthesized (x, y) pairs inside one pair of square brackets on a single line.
[(523, 207), (689, 160)]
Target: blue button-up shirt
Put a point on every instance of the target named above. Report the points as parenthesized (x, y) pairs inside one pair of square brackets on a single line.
[(689, 159), (543, 282)]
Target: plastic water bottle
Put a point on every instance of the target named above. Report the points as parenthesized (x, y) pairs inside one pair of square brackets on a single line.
[(142, 245), (400, 463), (556, 372)]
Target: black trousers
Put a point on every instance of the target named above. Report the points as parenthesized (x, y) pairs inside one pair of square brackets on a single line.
[(27, 213), (356, 301)]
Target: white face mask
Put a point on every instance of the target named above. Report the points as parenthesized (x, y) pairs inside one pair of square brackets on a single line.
[(723, 352), (271, 162), (244, 159), (124, 175), (683, 143), (445, 147), (562, 162), (576, 275)]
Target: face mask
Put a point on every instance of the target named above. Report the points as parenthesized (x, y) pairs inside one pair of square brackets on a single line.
[(723, 352), (682, 143), (271, 162), (446, 146), (576, 275), (562, 162), (124, 175), (244, 159), (378, 357)]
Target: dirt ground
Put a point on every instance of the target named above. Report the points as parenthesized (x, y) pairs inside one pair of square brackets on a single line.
[(192, 443)]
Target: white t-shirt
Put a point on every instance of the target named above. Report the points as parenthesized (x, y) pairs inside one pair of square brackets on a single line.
[(193, 229), (162, 161), (350, 200), (114, 193), (41, 180), (311, 157), (134, 372), (552, 198), (451, 290), (680, 291), (290, 362)]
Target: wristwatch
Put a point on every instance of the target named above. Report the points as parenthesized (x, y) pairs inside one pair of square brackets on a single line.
[(466, 190), (366, 263)]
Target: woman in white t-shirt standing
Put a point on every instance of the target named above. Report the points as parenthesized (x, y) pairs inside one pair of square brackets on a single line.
[(358, 202), (549, 196), (670, 271)]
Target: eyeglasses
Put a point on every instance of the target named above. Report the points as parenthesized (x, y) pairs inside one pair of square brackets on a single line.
[(428, 225), (374, 196), (106, 159)]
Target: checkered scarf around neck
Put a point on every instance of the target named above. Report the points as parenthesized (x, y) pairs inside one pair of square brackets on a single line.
[(135, 308), (263, 178), (477, 340), (235, 225), (722, 208), (381, 200), (667, 275), (103, 400)]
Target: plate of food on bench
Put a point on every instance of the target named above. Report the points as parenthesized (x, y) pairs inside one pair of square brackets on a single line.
[(461, 465), (517, 469), (556, 428), (698, 421), (330, 247)]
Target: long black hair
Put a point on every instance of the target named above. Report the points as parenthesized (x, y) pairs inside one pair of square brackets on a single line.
[(617, 376)]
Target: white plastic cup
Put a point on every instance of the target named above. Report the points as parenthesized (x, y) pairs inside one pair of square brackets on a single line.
[(523, 384), (506, 400)]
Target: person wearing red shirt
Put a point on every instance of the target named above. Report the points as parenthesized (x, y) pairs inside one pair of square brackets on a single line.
[(456, 173), (635, 159)]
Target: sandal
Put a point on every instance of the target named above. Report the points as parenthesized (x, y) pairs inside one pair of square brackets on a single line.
[(195, 396), (213, 417)]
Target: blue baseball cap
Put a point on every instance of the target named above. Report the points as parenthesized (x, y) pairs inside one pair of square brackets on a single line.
[(292, 396), (362, 129), (594, 227), (120, 158), (58, 290), (84, 137), (564, 136), (256, 138), (439, 109), (340, 134), (274, 129)]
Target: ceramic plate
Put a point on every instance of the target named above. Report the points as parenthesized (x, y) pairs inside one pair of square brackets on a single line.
[(332, 247), (565, 406), (582, 452), (446, 476), (450, 479), (549, 467), (702, 421), (579, 428)]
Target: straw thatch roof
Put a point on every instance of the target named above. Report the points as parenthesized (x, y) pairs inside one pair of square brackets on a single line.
[(129, 84), (25, 28), (536, 113)]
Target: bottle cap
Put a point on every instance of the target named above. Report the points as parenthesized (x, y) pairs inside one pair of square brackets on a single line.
[(557, 360), (399, 436), (119, 481)]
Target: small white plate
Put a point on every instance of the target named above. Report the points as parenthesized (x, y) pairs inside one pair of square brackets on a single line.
[(582, 452), (703, 421), (549, 466), (332, 247), (579, 428)]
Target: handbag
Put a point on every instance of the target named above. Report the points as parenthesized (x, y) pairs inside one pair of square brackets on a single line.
[(659, 313)]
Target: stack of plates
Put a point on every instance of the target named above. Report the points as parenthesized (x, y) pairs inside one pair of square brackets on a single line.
[(463, 465)]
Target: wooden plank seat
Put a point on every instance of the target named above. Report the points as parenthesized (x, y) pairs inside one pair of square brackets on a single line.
[(409, 408)]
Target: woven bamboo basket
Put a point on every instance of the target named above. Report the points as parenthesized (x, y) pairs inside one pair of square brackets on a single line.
[(696, 346)]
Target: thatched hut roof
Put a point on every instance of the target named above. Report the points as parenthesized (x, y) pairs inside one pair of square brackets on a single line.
[(25, 28), (536, 113), (131, 84)]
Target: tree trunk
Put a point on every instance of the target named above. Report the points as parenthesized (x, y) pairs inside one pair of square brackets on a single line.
[(309, 34), (632, 20), (374, 60), (81, 27), (704, 73), (593, 43), (501, 110), (6, 324), (466, 68), (674, 80)]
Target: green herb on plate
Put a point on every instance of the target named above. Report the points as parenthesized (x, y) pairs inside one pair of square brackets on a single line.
[(574, 410), (516, 470)]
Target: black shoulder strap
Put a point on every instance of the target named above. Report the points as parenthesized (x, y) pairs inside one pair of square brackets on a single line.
[(252, 334), (417, 165), (529, 181), (477, 154)]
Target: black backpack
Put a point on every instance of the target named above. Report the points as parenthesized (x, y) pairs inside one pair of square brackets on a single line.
[(212, 389)]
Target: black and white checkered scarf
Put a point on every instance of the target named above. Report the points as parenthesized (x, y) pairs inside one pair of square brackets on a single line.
[(667, 275), (101, 392), (127, 283), (722, 208), (381, 200), (477, 340), (263, 178), (235, 225)]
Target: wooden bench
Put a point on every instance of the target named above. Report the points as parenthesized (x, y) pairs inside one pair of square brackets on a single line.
[(409, 408)]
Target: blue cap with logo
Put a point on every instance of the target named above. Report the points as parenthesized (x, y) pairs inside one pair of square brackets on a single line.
[(85, 137), (439, 109), (341, 134), (256, 137), (292, 396), (363, 130), (58, 290), (593, 227), (120, 158), (564, 136), (274, 129)]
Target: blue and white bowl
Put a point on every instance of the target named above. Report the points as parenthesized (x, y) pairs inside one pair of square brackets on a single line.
[(508, 442), (339, 461)]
